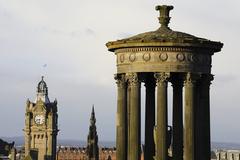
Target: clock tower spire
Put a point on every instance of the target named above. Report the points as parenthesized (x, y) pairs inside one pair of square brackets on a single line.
[(42, 92), (41, 124)]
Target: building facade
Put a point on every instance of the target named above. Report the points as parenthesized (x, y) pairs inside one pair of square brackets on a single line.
[(41, 126), (77, 153), (227, 154)]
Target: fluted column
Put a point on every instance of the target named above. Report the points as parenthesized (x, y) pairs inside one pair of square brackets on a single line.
[(190, 104), (177, 145), (135, 117), (203, 146), (161, 127), (128, 120), (121, 121), (149, 150)]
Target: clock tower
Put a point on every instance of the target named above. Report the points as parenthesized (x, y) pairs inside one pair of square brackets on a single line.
[(41, 125)]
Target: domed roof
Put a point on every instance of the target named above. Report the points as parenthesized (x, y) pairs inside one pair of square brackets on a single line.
[(42, 86), (42, 91), (164, 37)]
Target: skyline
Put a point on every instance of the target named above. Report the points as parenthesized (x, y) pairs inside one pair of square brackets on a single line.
[(56, 39)]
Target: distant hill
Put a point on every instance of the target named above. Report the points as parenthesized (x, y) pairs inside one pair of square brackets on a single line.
[(19, 141), (225, 145)]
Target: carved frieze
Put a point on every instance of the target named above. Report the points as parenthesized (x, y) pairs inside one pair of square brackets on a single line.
[(163, 56), (121, 58), (132, 57), (139, 49), (180, 57), (146, 56), (155, 60)]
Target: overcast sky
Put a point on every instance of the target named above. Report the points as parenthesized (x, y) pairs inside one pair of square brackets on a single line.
[(64, 40)]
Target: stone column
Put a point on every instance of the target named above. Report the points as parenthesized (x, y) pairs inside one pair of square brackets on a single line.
[(128, 120), (149, 149), (203, 146), (135, 117), (121, 121), (161, 127), (190, 103), (177, 145)]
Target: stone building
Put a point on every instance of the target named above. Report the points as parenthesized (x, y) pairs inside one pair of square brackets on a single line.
[(228, 154), (71, 153), (41, 126), (78, 153), (7, 150), (157, 58)]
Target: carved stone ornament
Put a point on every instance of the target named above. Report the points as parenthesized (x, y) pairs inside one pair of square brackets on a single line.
[(120, 80), (191, 78), (180, 57), (162, 78), (163, 56), (132, 78), (132, 57), (146, 57), (206, 79), (192, 58), (122, 58)]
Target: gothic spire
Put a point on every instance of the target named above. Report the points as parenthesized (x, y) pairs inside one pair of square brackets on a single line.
[(92, 146), (93, 119)]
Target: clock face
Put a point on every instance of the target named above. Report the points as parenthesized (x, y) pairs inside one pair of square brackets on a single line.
[(39, 119)]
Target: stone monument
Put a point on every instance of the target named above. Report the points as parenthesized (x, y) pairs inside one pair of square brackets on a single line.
[(92, 141), (41, 125), (155, 59)]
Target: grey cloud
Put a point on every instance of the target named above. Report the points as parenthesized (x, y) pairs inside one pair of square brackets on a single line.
[(124, 35), (225, 78), (74, 33), (89, 31)]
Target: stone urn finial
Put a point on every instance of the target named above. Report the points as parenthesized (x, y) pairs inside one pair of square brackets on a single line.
[(164, 15)]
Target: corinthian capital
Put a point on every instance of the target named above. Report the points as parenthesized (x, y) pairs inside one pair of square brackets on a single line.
[(162, 78), (120, 80), (206, 79), (191, 78), (132, 78)]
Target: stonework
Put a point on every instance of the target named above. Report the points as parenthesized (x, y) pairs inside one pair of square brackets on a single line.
[(78, 153), (75, 153), (152, 60), (157, 58), (227, 155), (92, 150), (41, 125)]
